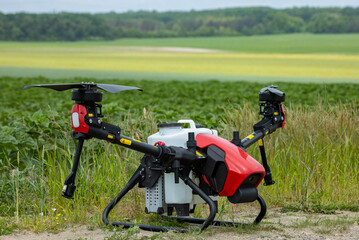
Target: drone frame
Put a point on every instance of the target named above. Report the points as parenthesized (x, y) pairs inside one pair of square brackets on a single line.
[(87, 123)]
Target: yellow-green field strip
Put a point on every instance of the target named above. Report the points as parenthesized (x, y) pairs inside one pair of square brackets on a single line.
[(97, 74), (172, 61)]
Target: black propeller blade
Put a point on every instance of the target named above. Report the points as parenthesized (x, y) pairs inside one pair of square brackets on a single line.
[(115, 88), (107, 87)]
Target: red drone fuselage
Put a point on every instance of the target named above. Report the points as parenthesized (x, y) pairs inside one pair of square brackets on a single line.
[(240, 165)]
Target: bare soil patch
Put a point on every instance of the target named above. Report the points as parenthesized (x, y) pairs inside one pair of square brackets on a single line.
[(277, 225)]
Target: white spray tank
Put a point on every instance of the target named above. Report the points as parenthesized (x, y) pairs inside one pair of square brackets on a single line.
[(174, 134)]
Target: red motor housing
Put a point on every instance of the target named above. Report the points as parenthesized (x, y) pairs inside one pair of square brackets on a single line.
[(228, 169), (78, 118)]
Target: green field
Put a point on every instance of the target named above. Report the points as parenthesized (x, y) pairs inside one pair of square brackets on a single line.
[(287, 44), (36, 148), (297, 57), (314, 159)]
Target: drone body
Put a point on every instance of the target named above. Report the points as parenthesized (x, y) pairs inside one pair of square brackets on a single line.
[(181, 167)]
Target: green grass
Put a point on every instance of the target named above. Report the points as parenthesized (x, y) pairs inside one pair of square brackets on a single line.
[(288, 43), (314, 160), (324, 226)]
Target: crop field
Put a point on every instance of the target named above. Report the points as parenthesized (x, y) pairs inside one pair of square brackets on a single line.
[(298, 57), (314, 159)]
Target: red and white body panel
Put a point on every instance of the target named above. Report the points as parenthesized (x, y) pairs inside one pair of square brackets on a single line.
[(78, 119), (239, 163)]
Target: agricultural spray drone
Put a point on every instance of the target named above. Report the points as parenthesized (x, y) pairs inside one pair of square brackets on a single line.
[(181, 167)]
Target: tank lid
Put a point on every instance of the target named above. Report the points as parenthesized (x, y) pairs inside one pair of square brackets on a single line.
[(165, 125)]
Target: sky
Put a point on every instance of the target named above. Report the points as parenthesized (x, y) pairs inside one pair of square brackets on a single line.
[(95, 6)]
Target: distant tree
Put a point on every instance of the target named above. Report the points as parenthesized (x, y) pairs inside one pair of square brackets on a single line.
[(327, 23), (281, 22), (353, 24), (221, 22)]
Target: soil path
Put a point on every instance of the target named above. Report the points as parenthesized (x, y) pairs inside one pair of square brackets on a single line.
[(277, 225)]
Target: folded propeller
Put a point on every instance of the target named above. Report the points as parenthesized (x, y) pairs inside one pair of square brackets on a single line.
[(84, 86), (271, 94)]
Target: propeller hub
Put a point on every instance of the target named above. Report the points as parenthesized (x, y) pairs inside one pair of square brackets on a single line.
[(88, 95), (271, 94)]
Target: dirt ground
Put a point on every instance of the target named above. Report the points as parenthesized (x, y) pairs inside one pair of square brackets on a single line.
[(276, 225)]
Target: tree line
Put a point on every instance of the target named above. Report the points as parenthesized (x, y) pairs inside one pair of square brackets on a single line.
[(144, 24)]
